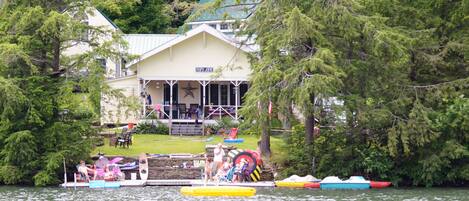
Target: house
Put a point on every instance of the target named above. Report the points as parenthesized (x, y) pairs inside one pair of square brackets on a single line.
[(204, 71), (95, 18)]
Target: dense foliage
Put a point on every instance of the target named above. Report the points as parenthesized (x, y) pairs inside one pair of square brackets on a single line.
[(43, 124), (399, 70), (399, 67), (150, 16), (149, 128)]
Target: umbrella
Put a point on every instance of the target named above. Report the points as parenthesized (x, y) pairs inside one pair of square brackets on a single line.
[(101, 162), (116, 160)]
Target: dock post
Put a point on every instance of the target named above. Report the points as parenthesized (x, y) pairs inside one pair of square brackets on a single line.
[(65, 174)]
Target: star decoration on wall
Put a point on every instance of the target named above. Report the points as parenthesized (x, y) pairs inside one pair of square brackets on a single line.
[(189, 90)]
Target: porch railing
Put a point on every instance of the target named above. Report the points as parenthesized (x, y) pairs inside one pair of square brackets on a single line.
[(211, 111)]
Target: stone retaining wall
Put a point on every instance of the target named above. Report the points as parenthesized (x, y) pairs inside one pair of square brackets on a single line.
[(173, 168)]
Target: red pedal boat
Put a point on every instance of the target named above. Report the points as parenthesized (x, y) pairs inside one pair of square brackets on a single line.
[(380, 184), (312, 185)]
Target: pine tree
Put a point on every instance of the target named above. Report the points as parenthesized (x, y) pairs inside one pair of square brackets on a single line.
[(41, 121), (150, 16), (434, 82), (311, 46)]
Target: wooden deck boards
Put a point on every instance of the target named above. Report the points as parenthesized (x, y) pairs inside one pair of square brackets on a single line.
[(141, 183)]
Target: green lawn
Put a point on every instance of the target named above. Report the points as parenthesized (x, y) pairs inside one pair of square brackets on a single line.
[(165, 144)]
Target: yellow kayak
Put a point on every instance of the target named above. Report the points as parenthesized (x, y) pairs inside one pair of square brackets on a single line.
[(218, 191), (293, 184)]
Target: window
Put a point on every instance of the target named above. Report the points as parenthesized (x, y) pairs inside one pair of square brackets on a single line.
[(167, 94), (102, 63), (219, 94), (119, 67), (243, 88), (224, 26), (224, 94), (213, 26), (232, 94), (214, 94)]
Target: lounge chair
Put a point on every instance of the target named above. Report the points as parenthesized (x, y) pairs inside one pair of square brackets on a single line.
[(124, 141), (182, 111), (232, 135), (125, 138)]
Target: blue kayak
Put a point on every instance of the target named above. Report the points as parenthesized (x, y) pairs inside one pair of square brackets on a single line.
[(238, 140)]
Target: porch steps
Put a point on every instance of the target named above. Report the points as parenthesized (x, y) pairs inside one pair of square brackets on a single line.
[(186, 129)]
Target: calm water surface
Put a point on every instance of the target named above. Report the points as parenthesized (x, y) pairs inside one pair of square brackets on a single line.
[(172, 193)]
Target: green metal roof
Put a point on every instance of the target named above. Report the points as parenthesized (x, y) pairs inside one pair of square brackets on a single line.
[(228, 10)]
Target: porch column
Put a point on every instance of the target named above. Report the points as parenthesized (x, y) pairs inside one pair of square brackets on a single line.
[(143, 91), (236, 87), (204, 84), (171, 83)]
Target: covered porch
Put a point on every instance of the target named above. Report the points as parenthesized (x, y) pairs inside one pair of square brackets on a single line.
[(191, 101)]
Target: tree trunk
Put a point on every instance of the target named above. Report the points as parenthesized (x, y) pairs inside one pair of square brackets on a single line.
[(55, 75), (309, 129), (309, 124), (265, 136), (56, 55), (309, 138), (265, 140)]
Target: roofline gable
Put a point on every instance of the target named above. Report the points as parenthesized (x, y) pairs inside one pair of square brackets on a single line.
[(200, 29), (107, 19)]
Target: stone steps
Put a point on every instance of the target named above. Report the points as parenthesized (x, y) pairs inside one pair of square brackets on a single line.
[(186, 129)]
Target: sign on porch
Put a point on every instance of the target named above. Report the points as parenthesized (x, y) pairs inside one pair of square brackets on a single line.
[(204, 69)]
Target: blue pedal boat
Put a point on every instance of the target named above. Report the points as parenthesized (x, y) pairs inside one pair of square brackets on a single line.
[(354, 182), (103, 184)]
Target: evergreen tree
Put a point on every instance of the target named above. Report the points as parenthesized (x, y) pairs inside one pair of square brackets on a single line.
[(434, 88), (150, 16), (42, 123), (400, 67), (310, 49)]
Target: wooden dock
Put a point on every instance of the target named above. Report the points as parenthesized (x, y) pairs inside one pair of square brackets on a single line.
[(141, 183), (125, 183), (244, 184)]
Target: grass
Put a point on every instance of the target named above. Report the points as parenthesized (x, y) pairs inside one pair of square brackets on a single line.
[(165, 144)]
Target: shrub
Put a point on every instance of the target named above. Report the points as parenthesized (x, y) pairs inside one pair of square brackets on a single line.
[(148, 128), (11, 175), (226, 123), (162, 129)]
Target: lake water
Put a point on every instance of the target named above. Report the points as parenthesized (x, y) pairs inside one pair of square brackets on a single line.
[(172, 193)]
